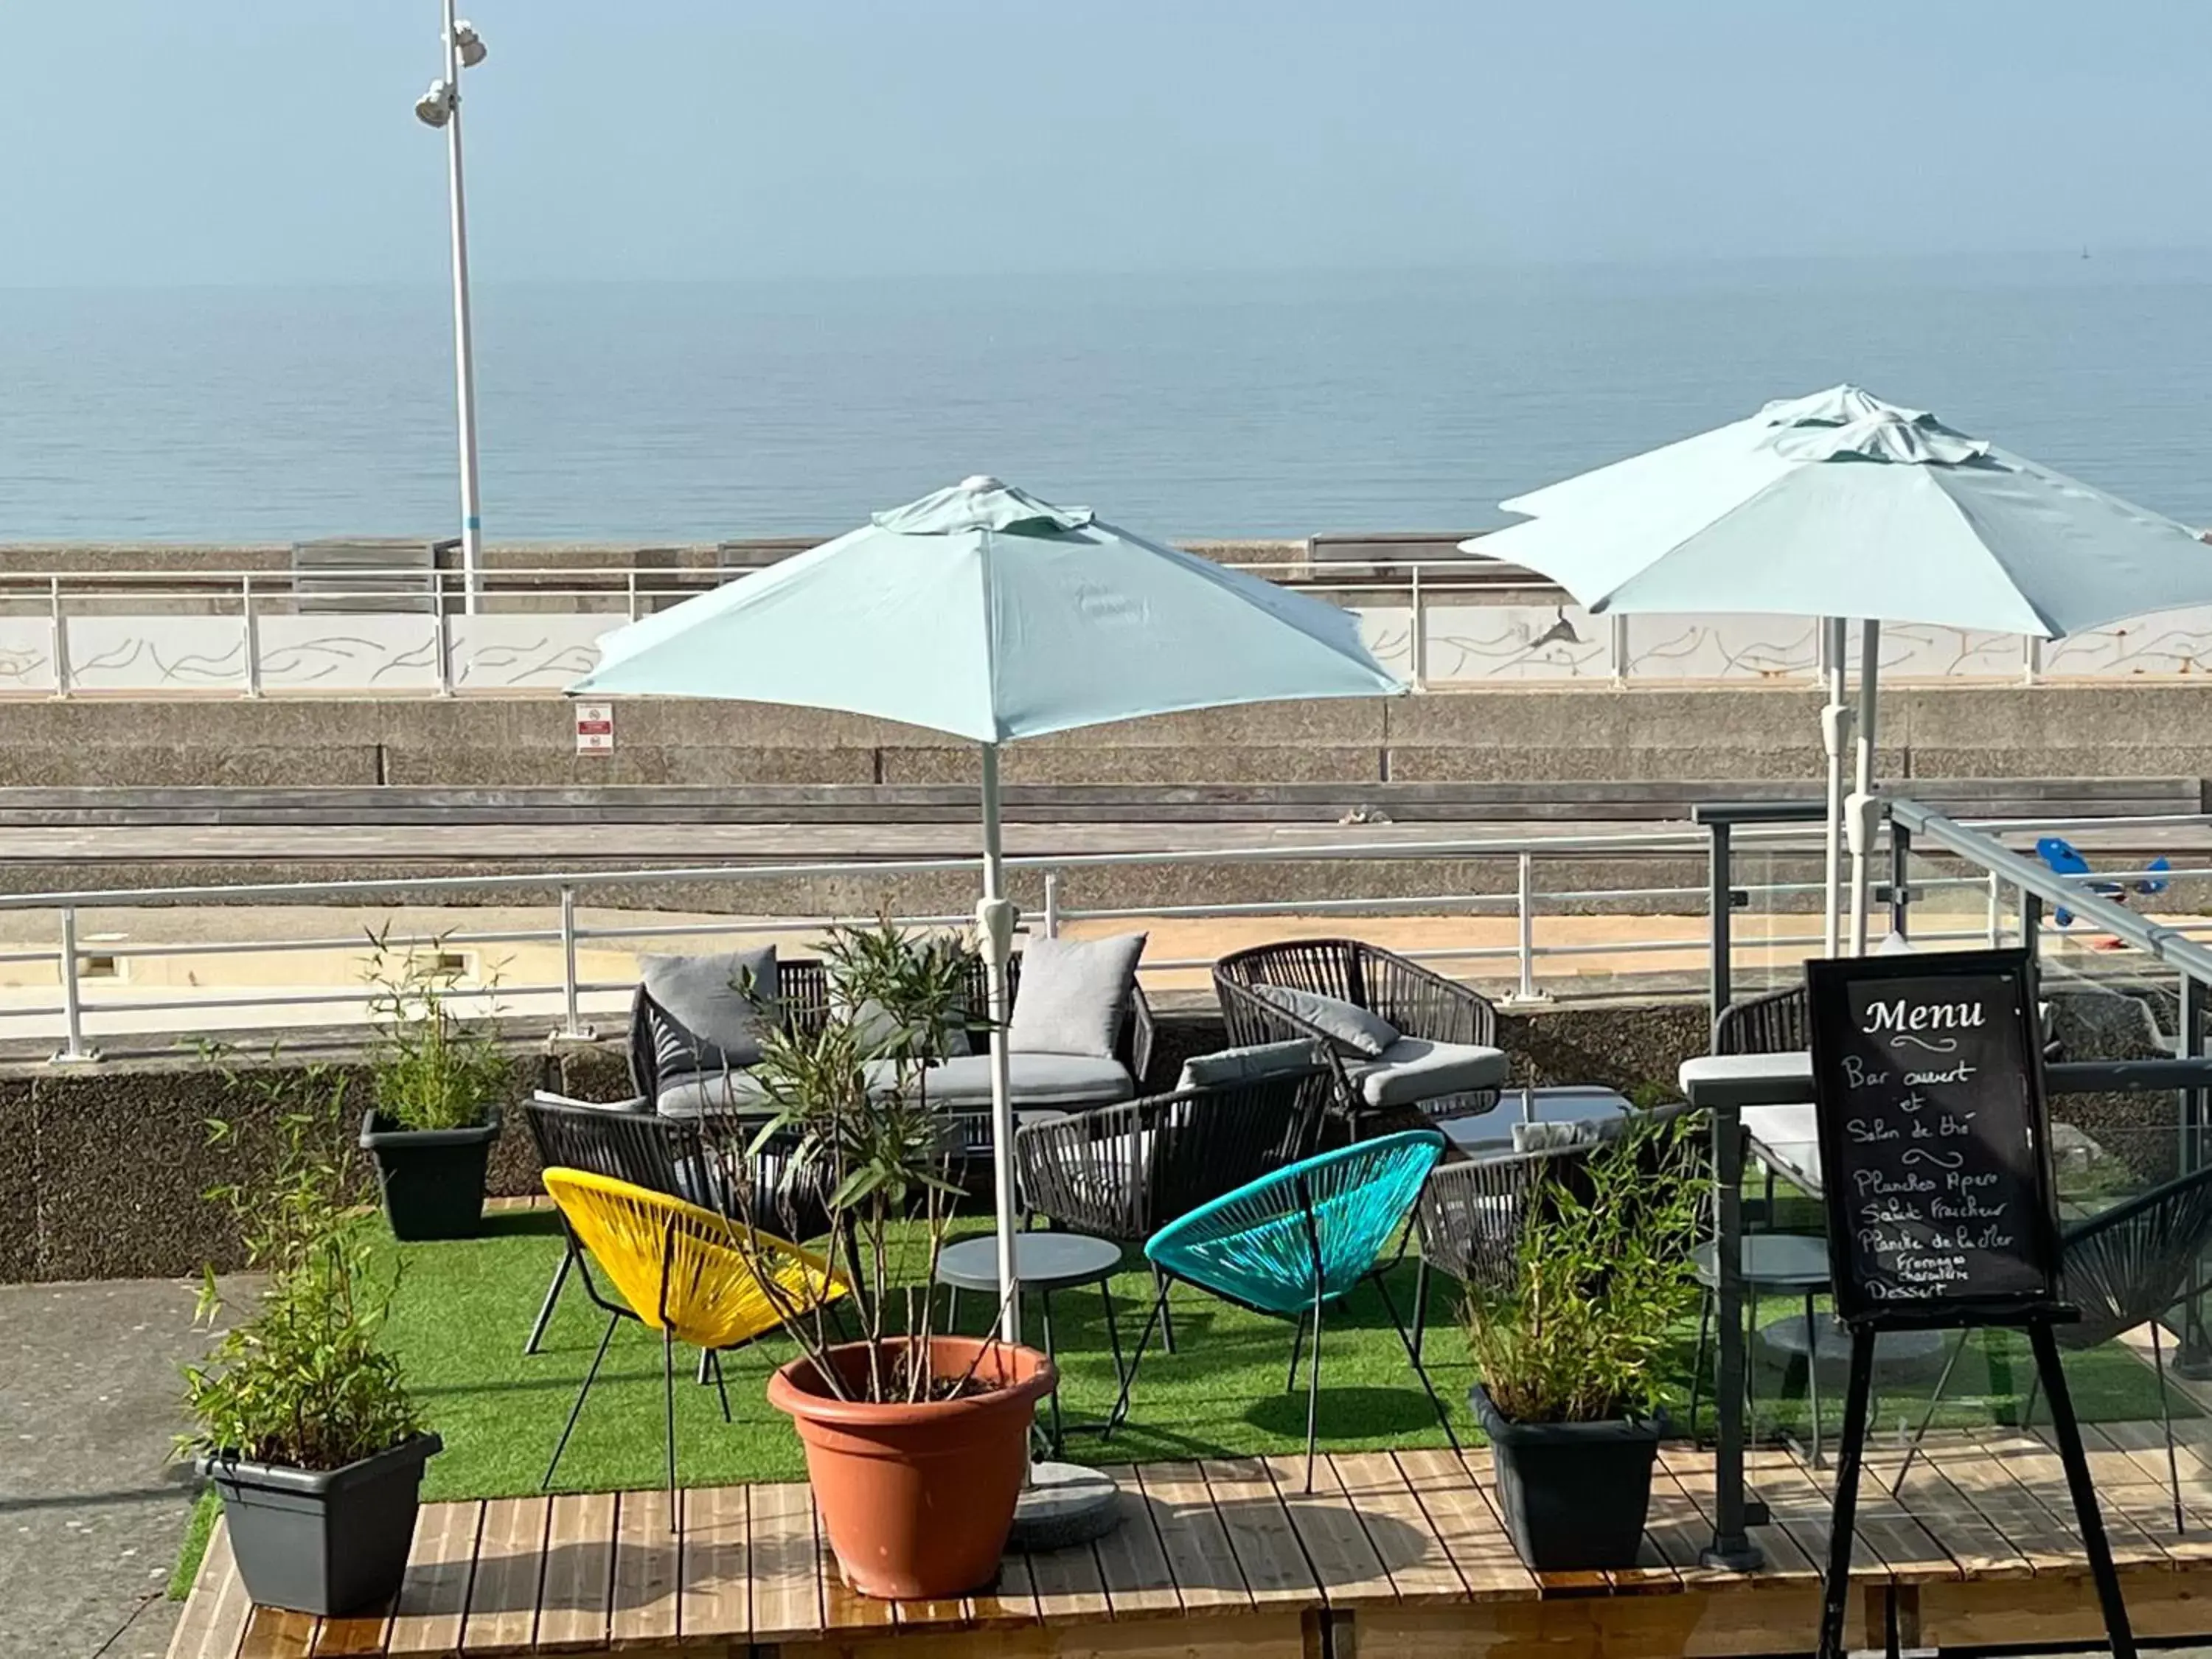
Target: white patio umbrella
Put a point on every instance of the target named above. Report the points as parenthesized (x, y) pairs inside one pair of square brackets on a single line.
[(982, 611), (1839, 504)]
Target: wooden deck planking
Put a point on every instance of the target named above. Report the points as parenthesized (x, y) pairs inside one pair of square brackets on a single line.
[(1330, 1532), (434, 1597), (1785, 1560), (274, 1633), (1011, 1601), (1134, 1560), (2034, 1468), (1801, 1510), (1260, 1533), (503, 1591), (355, 1635), (1465, 1526), (786, 1575), (1069, 1587), (1677, 1529), (844, 1609), (1412, 1552), (1193, 1538), (2141, 1476), (641, 1611), (214, 1620), (576, 1596)]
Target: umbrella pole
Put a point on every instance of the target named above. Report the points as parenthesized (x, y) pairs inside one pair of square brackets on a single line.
[(1835, 731), (1861, 806), (995, 927)]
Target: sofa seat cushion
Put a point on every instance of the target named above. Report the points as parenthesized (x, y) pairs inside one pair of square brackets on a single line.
[(710, 1094), (1060, 1081), (1414, 1069)]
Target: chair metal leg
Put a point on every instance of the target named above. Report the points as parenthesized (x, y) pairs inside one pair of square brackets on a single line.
[(552, 1297), (715, 1360), (2166, 1415), (1058, 1434), (1934, 1399), (1313, 1386), (2035, 1392), (1813, 1376), (1113, 1327), (1167, 1319), (1751, 1363), (1420, 1371), (1297, 1339), (577, 1410), (668, 1390), (1121, 1412), (1420, 1306)]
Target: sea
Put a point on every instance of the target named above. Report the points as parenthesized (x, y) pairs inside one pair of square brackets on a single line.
[(1190, 404)]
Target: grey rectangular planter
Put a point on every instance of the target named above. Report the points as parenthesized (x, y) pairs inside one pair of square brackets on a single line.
[(323, 1540), (1575, 1494)]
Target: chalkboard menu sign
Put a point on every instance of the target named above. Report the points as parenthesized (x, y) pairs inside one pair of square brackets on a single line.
[(1935, 1139)]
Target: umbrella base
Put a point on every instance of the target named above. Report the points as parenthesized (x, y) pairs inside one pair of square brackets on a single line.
[(1064, 1505)]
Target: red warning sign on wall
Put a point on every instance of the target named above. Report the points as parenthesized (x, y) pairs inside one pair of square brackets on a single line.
[(595, 728)]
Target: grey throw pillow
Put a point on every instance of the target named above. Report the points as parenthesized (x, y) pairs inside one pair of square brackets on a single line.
[(1346, 1024), (718, 1009), (1073, 995), (1558, 1137)]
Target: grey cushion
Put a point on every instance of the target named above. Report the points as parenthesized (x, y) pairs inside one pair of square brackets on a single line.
[(709, 1094), (1557, 1137), (1063, 1080), (725, 1004), (1250, 1063), (1414, 1069), (1354, 1031), (1074, 993)]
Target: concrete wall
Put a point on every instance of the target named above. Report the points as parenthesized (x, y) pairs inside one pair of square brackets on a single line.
[(1714, 734)]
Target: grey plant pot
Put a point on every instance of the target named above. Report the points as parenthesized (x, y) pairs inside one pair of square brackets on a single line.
[(323, 1541), (1575, 1494), (432, 1179)]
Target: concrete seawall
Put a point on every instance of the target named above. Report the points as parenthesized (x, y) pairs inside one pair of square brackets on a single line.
[(1717, 735)]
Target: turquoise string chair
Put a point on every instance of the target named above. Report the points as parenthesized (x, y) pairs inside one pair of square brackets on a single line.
[(1292, 1241)]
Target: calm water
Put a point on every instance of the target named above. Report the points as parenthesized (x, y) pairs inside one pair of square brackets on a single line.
[(1208, 405)]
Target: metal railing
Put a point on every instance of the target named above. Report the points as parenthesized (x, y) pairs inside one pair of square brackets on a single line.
[(235, 629), (1518, 963)]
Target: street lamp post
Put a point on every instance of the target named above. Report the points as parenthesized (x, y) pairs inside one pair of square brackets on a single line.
[(440, 106)]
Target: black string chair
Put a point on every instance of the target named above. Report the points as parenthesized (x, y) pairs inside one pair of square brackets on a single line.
[(1123, 1172), (1417, 1002), (2128, 1266)]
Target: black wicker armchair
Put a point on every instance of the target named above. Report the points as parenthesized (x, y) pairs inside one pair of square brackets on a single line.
[(1445, 1062), (2123, 1267)]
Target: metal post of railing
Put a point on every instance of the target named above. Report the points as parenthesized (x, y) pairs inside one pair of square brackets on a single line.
[(2031, 923), (73, 1046), (1619, 638), (1524, 915), (1900, 879), (1995, 926), (1420, 637), (251, 635), (572, 1022), (445, 637), (1052, 904), (2031, 660), (60, 637), (2195, 1358), (1718, 898), (632, 582)]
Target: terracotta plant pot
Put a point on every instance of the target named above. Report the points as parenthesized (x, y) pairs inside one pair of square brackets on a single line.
[(918, 1499)]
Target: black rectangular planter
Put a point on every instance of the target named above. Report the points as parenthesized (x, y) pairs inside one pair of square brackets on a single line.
[(432, 1179), (1575, 1494), (325, 1541)]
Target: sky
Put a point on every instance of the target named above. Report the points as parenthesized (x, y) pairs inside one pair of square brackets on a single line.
[(180, 141)]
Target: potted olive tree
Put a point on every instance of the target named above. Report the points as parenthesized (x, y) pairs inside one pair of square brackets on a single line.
[(1572, 1346), (302, 1419), (438, 1085), (917, 1443)]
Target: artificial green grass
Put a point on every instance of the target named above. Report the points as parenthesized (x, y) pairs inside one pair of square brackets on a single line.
[(197, 1526), (463, 1310)]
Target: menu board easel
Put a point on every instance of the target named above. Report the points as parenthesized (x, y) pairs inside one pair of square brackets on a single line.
[(1935, 1160)]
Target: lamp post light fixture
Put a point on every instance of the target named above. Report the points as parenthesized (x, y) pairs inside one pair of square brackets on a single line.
[(440, 106)]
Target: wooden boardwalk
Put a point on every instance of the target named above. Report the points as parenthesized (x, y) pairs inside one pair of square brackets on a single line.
[(1397, 1552)]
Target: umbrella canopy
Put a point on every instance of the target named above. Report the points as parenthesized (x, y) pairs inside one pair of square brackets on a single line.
[(1840, 505), (985, 612), (982, 612)]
